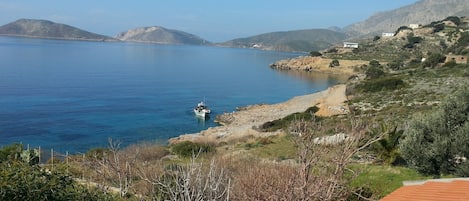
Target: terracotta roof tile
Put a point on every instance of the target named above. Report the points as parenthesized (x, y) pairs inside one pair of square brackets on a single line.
[(432, 190)]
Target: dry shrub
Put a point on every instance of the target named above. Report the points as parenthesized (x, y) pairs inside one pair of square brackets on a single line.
[(318, 174), (147, 152), (197, 180), (264, 181)]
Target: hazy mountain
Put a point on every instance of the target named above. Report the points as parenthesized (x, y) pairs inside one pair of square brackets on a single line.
[(48, 29), (156, 34), (300, 40), (421, 12)]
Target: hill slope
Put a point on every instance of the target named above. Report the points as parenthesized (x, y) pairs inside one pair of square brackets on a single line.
[(156, 34), (421, 12), (47, 29), (300, 40)]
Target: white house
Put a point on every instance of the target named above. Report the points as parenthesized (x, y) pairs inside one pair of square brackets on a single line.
[(414, 26), (387, 34), (350, 45)]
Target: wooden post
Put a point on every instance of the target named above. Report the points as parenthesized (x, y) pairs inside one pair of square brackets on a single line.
[(66, 160), (52, 158), (39, 154)]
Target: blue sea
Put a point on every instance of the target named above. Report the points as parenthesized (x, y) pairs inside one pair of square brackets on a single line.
[(74, 95)]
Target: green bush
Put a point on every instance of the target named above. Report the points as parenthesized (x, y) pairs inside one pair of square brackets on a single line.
[(434, 59), (381, 84), (374, 72), (22, 181), (456, 20), (395, 65), (437, 143), (188, 148), (284, 122), (315, 54), (11, 152), (334, 63), (16, 152), (98, 153)]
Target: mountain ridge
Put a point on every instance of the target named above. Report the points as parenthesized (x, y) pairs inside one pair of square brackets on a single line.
[(421, 12), (37, 28)]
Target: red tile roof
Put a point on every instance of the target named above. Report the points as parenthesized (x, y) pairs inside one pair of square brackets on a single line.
[(432, 190)]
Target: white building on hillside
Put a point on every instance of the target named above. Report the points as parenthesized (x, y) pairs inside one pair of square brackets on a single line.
[(387, 34), (350, 45)]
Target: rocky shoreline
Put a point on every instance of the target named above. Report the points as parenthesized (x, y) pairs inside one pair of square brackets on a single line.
[(318, 64), (242, 123)]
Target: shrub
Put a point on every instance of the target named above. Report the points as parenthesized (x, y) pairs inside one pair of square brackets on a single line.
[(396, 65), (284, 122), (11, 152), (315, 54), (433, 60), (402, 28), (456, 20), (334, 63), (97, 153), (374, 72), (382, 84), (188, 148), (414, 39), (16, 152), (376, 38), (374, 63), (21, 181), (436, 143)]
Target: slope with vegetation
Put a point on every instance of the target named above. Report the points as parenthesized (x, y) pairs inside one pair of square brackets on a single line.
[(409, 120), (421, 12), (300, 40)]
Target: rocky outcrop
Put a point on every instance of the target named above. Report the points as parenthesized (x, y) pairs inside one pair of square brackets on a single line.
[(156, 34), (47, 29), (318, 64)]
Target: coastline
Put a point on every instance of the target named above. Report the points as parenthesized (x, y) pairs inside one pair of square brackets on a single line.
[(243, 123), (319, 64)]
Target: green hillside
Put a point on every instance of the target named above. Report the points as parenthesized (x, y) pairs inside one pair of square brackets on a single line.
[(301, 40)]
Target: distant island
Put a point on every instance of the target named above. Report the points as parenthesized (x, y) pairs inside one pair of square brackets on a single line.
[(157, 34), (46, 29)]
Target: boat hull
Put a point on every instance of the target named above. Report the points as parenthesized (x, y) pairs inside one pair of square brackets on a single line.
[(202, 113)]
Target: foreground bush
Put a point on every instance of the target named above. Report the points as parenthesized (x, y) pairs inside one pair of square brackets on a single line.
[(188, 148), (437, 143), (20, 181)]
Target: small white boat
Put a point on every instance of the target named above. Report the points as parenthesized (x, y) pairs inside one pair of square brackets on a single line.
[(201, 110)]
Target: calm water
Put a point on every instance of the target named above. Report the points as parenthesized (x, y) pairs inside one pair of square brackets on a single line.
[(72, 96)]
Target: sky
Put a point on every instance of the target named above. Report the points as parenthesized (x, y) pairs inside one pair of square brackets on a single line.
[(215, 21)]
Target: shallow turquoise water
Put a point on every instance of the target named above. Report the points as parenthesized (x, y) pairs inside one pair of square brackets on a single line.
[(73, 96)]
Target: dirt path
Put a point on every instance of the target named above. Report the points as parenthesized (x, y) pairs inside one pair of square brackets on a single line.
[(330, 102)]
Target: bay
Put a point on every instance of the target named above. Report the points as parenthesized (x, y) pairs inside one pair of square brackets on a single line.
[(74, 95)]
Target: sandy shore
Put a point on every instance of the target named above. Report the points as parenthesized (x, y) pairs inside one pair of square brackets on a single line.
[(241, 124)]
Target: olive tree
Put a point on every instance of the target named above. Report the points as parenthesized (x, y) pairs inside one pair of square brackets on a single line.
[(437, 143)]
